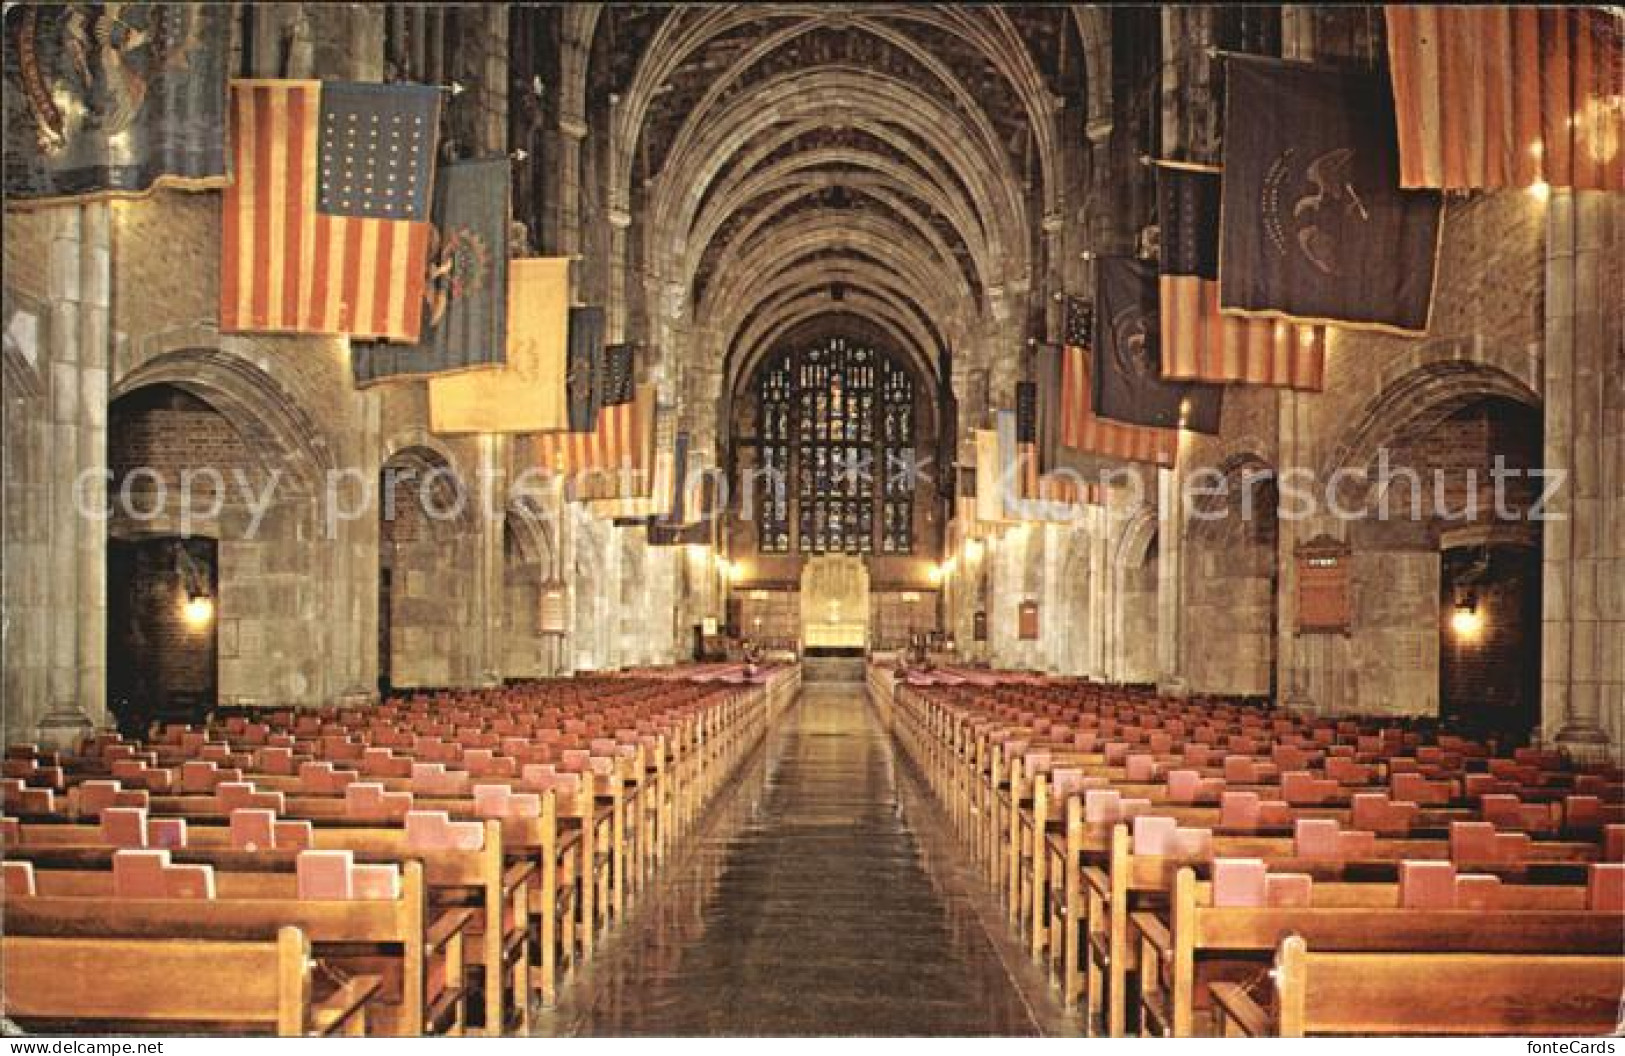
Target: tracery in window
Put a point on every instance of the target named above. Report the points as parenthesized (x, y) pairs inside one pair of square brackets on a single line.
[(837, 432)]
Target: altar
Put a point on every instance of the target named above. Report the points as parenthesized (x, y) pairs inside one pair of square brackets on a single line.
[(835, 603)]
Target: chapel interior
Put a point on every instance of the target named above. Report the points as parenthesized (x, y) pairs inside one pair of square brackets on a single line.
[(969, 583)]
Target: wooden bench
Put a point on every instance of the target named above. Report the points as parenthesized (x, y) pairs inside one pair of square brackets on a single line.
[(1195, 943), (388, 938), (172, 985), (1426, 994)]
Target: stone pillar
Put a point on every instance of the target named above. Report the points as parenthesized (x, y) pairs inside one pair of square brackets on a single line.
[(1095, 659), (1583, 631), (1170, 582), (572, 130), (78, 286), (488, 595)]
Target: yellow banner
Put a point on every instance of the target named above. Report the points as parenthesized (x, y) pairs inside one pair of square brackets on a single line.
[(528, 393)]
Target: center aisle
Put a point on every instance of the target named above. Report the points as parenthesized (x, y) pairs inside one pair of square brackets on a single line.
[(810, 906)]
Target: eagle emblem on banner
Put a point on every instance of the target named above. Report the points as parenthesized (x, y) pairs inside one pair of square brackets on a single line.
[(1135, 343), (1327, 209), (91, 68), (459, 266)]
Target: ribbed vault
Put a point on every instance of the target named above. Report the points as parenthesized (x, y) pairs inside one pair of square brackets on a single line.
[(792, 169)]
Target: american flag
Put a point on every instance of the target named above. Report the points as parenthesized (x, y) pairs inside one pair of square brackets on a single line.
[(1198, 342), (1080, 428), (326, 225), (611, 461), (1499, 96)]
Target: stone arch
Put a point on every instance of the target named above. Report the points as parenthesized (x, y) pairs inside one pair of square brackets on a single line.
[(267, 416), (1422, 390), (1134, 538)]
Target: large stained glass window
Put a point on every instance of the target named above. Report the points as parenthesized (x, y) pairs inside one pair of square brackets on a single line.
[(837, 427)]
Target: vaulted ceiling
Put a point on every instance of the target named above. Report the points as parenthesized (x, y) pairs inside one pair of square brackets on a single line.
[(795, 166)]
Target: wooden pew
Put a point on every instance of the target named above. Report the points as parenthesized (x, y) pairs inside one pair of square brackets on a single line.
[(253, 905), (1426, 994), (1195, 942), (172, 984), (1129, 879)]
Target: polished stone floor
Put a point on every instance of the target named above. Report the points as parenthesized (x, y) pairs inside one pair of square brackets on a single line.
[(819, 900)]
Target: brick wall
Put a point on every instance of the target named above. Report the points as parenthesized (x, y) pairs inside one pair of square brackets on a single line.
[(155, 655)]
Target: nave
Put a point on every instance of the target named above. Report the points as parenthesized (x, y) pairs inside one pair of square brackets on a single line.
[(821, 899)]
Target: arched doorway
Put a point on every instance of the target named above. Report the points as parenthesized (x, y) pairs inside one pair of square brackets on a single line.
[(173, 459)]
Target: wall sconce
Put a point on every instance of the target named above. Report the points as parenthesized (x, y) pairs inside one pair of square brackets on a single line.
[(1466, 621), (195, 582), (934, 573), (198, 610)]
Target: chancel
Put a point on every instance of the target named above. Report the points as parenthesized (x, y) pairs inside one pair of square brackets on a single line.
[(813, 519)]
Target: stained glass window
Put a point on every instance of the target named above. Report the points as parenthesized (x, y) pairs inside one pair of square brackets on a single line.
[(837, 426)]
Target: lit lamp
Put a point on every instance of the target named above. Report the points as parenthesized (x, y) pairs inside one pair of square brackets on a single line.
[(198, 610), (933, 572), (1466, 621)]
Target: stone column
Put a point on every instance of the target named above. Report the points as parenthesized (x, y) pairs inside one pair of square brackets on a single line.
[(1095, 659), (1583, 634), (489, 595), (78, 286), (572, 130), (1170, 582)]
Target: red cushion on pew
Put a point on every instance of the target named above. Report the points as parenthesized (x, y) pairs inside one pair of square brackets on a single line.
[(124, 826), (166, 832), (253, 829), (140, 873), (1479, 891), (1427, 885), (325, 874), (375, 881), (1288, 890), (293, 835), (189, 881), (1605, 887), (18, 878), (1238, 882)]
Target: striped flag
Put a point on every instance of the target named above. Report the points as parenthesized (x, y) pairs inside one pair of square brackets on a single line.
[(1490, 97), (1199, 343), (1026, 437), (325, 228), (612, 460), (1081, 430)]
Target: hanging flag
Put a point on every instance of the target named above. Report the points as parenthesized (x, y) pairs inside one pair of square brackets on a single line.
[(1047, 381), (586, 369), (677, 507), (1199, 343), (1026, 437), (620, 373), (948, 434), (988, 501), (610, 460), (1083, 430), (114, 99), (1316, 226), (1128, 383), (464, 308), (526, 394), (1489, 97), (1031, 495), (324, 229)]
